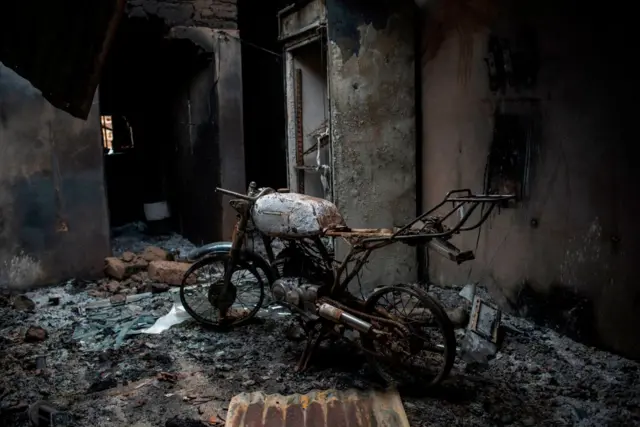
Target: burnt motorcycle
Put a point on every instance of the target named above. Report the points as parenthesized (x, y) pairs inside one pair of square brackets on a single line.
[(404, 332)]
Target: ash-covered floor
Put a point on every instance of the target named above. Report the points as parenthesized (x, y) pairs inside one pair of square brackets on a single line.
[(189, 373)]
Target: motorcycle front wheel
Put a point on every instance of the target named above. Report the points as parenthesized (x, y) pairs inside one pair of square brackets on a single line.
[(203, 291)]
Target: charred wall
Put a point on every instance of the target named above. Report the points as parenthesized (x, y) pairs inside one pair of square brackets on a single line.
[(263, 89), (372, 104), (53, 219), (186, 90), (137, 88), (208, 126), (221, 14), (64, 56), (566, 253)]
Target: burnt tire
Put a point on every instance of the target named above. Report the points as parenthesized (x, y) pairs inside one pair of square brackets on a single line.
[(390, 372), (214, 288)]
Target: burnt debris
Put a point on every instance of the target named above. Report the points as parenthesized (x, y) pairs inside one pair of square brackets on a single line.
[(538, 378)]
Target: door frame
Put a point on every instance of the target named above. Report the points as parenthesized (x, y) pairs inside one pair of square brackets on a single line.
[(316, 36)]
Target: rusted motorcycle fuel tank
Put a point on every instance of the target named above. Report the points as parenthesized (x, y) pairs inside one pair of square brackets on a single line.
[(294, 215)]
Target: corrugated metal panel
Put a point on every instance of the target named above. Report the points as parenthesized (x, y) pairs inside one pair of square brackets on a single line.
[(326, 408)]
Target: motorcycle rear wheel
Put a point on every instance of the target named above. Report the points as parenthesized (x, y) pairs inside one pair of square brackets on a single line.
[(420, 334)]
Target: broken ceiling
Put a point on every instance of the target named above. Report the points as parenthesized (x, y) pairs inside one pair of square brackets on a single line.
[(59, 46)]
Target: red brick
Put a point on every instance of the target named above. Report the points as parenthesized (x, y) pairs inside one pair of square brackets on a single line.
[(168, 272), (113, 287), (128, 256), (152, 253), (115, 268), (35, 334), (157, 288)]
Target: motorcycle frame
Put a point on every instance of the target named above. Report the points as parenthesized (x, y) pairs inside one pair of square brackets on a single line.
[(362, 242)]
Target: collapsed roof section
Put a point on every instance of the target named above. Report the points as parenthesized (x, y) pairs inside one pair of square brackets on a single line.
[(59, 46)]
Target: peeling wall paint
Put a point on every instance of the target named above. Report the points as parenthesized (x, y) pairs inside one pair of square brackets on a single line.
[(574, 243), (372, 102), (228, 92), (53, 214)]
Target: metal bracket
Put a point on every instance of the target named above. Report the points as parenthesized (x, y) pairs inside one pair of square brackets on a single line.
[(485, 320), (299, 131)]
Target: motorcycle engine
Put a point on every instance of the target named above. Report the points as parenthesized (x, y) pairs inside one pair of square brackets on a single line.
[(302, 274), (296, 291)]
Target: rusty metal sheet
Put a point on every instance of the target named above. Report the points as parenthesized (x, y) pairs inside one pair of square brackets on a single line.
[(360, 232), (330, 408)]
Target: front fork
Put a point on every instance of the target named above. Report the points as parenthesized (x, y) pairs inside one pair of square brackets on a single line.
[(237, 238), (227, 297)]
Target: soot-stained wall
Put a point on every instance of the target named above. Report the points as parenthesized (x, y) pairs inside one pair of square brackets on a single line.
[(201, 102), (372, 103), (263, 89), (566, 255), (220, 14), (210, 146), (53, 214)]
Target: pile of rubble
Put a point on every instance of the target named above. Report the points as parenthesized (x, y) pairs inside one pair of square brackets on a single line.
[(152, 270), (89, 349), (135, 238), (190, 373)]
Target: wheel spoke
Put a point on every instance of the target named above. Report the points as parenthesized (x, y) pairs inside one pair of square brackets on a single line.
[(418, 354), (204, 285)]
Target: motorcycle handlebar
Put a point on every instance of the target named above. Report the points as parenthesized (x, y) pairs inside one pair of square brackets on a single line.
[(244, 196)]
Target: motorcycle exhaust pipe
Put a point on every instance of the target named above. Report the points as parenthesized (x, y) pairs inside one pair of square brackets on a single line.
[(334, 314)]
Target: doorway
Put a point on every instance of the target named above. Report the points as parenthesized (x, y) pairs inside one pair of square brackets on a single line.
[(309, 150), (148, 131), (263, 92)]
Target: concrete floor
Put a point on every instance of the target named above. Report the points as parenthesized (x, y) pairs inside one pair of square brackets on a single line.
[(538, 378)]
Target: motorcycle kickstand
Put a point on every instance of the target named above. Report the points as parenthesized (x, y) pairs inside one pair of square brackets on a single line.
[(312, 344)]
